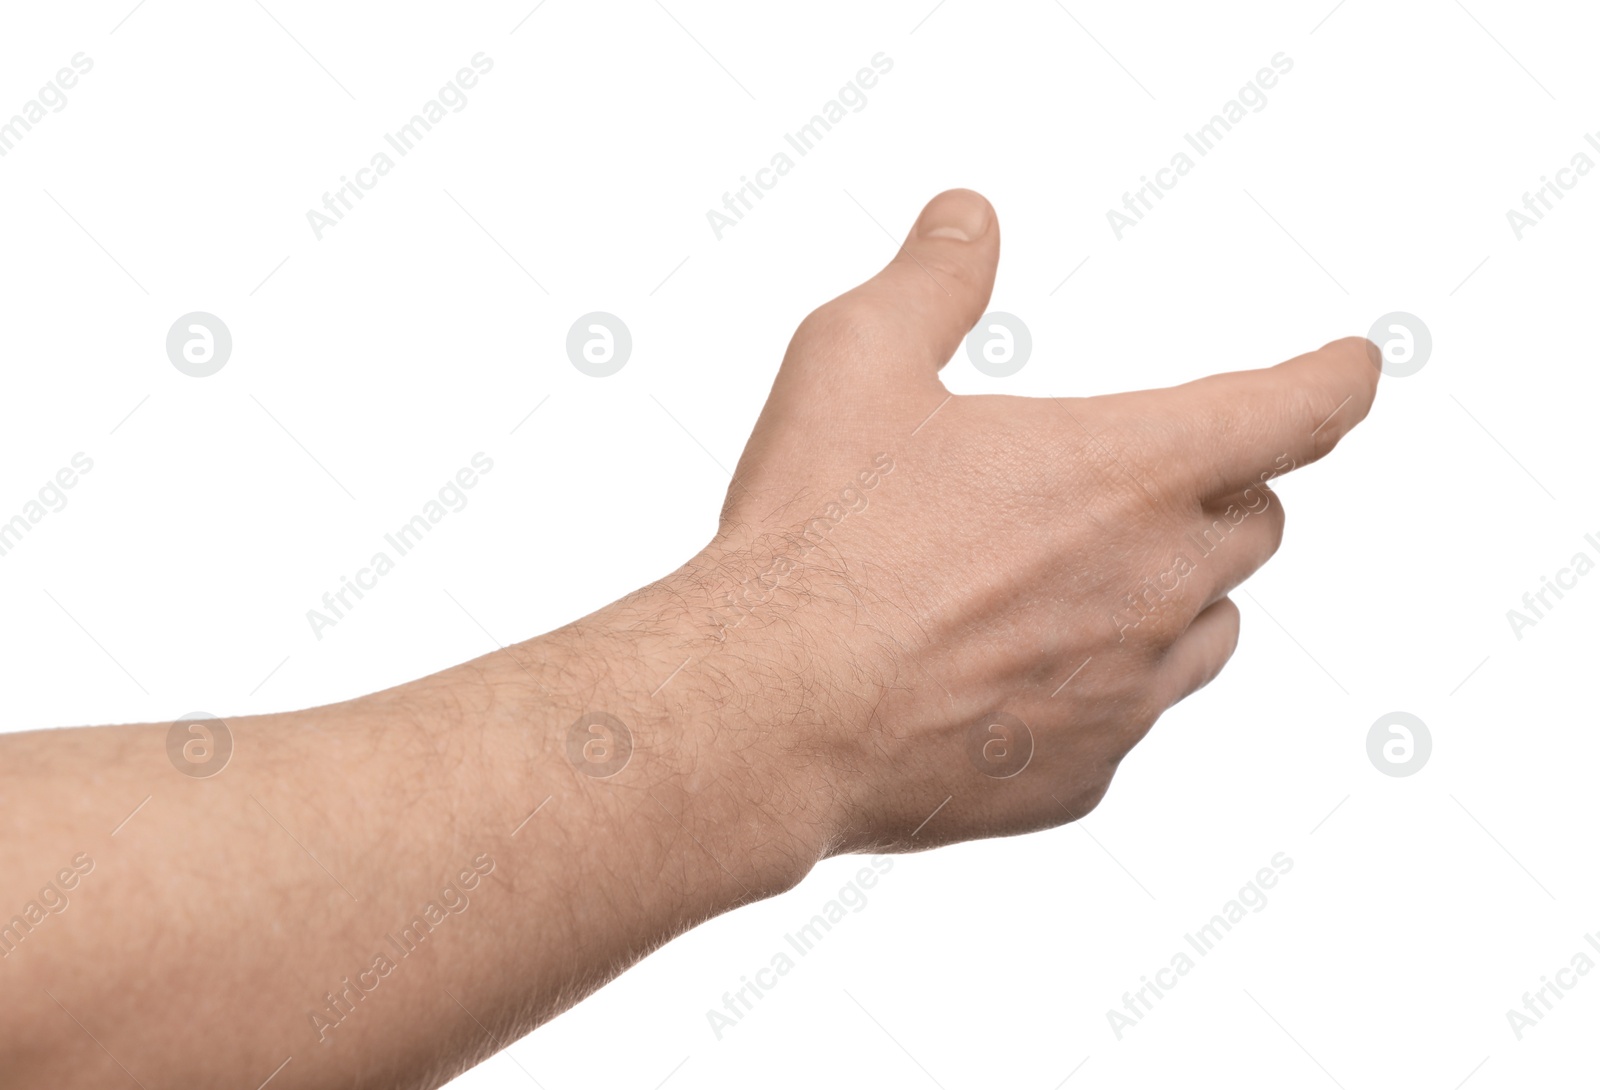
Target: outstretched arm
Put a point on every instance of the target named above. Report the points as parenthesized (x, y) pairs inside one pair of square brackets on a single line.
[(915, 605)]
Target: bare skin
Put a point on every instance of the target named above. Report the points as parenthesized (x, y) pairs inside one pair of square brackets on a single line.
[(915, 605)]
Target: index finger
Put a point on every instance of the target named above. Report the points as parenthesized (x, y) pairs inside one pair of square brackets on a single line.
[(1243, 428)]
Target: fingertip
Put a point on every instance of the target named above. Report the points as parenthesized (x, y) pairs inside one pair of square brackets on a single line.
[(1359, 349), (1374, 353), (1357, 365)]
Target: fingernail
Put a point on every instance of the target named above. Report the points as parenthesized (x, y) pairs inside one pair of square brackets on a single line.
[(959, 214)]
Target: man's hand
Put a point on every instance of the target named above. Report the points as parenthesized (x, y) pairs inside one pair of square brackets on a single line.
[(923, 619), (991, 599)]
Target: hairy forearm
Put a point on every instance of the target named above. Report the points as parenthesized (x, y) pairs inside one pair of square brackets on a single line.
[(363, 887)]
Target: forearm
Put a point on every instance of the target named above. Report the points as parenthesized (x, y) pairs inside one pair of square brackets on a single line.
[(282, 907)]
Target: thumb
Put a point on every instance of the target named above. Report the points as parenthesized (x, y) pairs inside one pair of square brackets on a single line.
[(906, 322)]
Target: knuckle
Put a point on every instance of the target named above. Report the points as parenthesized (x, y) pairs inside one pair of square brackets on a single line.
[(1229, 610), (1082, 801), (1273, 520)]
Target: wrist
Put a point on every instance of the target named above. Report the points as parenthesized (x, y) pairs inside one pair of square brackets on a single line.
[(693, 733)]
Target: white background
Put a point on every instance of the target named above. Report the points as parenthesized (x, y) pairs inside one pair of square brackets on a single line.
[(372, 364)]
